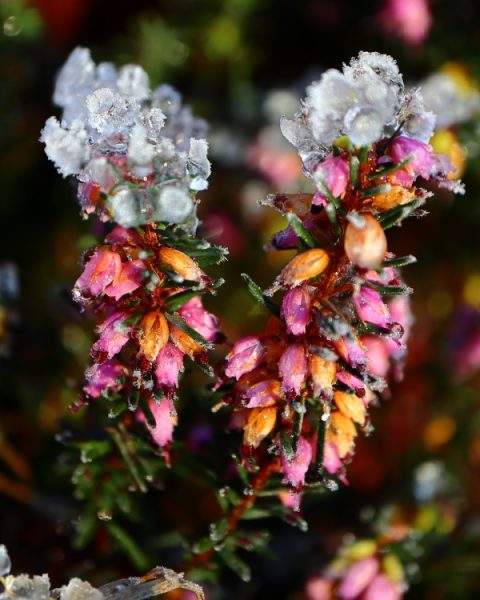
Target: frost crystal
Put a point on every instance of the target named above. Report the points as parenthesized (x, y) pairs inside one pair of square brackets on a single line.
[(366, 101), (125, 143)]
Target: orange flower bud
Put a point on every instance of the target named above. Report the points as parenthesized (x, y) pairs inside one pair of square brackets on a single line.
[(153, 334), (322, 372), (396, 196), (341, 433), (351, 406), (180, 263), (304, 266), (260, 422), (184, 342), (366, 246)]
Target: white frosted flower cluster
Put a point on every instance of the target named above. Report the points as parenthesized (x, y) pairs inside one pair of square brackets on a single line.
[(452, 106), (366, 101), (140, 148)]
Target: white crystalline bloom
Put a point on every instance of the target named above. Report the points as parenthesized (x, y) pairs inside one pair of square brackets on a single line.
[(140, 150), (5, 562), (100, 172), (67, 148), (199, 166), (124, 208), (109, 112), (418, 122), (133, 81), (24, 587), (79, 590), (76, 76), (154, 121), (364, 125), (172, 205)]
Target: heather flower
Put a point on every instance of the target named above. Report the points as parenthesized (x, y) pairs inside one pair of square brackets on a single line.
[(295, 468), (169, 365), (195, 315), (409, 20), (244, 356), (104, 377), (296, 309), (165, 417), (293, 368)]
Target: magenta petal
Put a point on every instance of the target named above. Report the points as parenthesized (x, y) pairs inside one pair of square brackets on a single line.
[(351, 351), (334, 173), (265, 393), (293, 368), (382, 588), (165, 421), (169, 365), (294, 470), (195, 315), (114, 334), (128, 280), (357, 577), (354, 383), (421, 155), (296, 309), (103, 377), (245, 355), (371, 308), (331, 459), (122, 235), (101, 269), (377, 353)]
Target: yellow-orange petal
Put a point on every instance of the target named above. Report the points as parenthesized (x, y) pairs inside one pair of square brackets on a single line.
[(395, 197), (351, 406), (153, 334), (322, 372), (341, 433), (184, 342), (304, 266), (366, 246), (260, 422), (180, 263)]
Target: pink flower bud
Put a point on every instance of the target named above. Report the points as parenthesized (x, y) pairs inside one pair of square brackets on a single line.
[(371, 308), (357, 577), (351, 350), (293, 368), (382, 588), (365, 244), (169, 365), (265, 393), (421, 156), (333, 173), (101, 378), (195, 315), (165, 421), (409, 20), (114, 334), (101, 269), (245, 355), (377, 353), (296, 309), (294, 470), (331, 459), (128, 279)]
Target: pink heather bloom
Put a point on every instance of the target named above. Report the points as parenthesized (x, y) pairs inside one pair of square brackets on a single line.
[(245, 355), (354, 383), (165, 421), (351, 351), (378, 355), (103, 377), (114, 334), (409, 20), (265, 393), (318, 588), (128, 280), (357, 578), (383, 588), (333, 173), (371, 308), (331, 459), (101, 269), (122, 235), (169, 365), (294, 470), (422, 160), (195, 315), (296, 309), (293, 368)]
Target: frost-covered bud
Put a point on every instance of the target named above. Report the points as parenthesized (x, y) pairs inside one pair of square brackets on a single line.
[(100, 172), (167, 98), (66, 148), (154, 121), (198, 164), (24, 587), (124, 208), (133, 81), (109, 112), (79, 590), (364, 125), (5, 562), (76, 77), (106, 75), (365, 243), (140, 150), (172, 204)]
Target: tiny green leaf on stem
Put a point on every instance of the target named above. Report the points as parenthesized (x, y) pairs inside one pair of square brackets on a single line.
[(389, 290), (125, 452), (126, 542), (396, 215), (354, 170), (300, 230), (399, 261), (375, 190), (177, 320), (390, 168), (257, 293), (176, 301)]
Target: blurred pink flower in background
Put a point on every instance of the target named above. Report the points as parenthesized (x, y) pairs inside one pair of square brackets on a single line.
[(409, 20)]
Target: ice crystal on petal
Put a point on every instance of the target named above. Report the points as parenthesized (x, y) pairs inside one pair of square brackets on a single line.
[(172, 204), (66, 148), (76, 76), (79, 590), (109, 112), (5, 563), (140, 150), (24, 587), (133, 81), (124, 208)]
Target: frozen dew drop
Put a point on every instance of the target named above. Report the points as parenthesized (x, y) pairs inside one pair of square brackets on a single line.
[(331, 485), (104, 515), (124, 208), (172, 205), (364, 125)]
